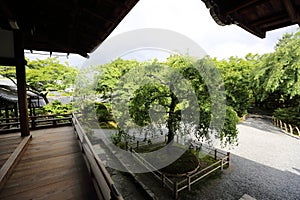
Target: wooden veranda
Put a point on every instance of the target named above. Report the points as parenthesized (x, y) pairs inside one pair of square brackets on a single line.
[(50, 167), (54, 163)]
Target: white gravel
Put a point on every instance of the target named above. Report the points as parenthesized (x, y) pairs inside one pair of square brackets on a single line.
[(265, 165)]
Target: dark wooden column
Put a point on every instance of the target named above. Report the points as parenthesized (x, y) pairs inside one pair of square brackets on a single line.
[(6, 114), (21, 83), (16, 110)]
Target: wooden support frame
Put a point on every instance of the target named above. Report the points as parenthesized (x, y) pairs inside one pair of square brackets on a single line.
[(293, 13), (238, 5), (21, 83)]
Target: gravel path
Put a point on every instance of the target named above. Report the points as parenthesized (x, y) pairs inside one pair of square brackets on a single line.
[(265, 165)]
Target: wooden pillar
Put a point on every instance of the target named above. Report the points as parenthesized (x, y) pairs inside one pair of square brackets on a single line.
[(6, 114), (16, 110), (21, 83), (215, 157), (30, 108)]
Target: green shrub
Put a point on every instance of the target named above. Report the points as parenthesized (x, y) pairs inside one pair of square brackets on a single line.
[(289, 115), (186, 163), (56, 107)]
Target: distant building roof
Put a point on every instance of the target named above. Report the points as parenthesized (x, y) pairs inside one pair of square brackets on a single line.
[(9, 95)]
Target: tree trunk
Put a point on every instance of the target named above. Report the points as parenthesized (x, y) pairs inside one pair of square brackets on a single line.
[(172, 119)]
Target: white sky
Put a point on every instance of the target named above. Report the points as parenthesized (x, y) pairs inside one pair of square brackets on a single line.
[(192, 19)]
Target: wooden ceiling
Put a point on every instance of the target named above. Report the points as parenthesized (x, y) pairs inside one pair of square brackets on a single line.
[(68, 26), (79, 26), (255, 16)]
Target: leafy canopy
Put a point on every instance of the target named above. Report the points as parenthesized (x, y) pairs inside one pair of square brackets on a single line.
[(43, 76), (160, 98)]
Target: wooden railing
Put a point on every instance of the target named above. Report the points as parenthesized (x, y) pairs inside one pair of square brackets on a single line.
[(287, 128), (176, 185), (36, 122), (105, 188)]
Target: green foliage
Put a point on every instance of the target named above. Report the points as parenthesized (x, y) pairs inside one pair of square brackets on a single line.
[(229, 133), (110, 74), (102, 112), (104, 116), (8, 72), (289, 115), (187, 162), (43, 76), (144, 99), (236, 76), (49, 75), (116, 138), (56, 107), (276, 83), (155, 94)]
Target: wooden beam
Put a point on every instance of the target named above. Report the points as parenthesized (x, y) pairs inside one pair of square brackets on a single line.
[(21, 83), (98, 16), (293, 13), (268, 19), (7, 61), (254, 30), (229, 8)]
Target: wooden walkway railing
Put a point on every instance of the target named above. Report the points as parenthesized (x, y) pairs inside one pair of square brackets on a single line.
[(103, 183), (8, 125), (176, 185), (287, 128)]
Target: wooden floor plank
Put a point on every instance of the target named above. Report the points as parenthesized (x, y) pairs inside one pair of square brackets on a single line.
[(20, 173), (53, 160), (52, 167), (10, 135), (8, 149), (36, 155), (38, 180), (46, 191), (12, 141), (8, 143)]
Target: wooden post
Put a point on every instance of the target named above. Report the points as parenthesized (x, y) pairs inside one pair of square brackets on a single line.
[(297, 129), (189, 183), (126, 145), (285, 128), (16, 111), (215, 154), (222, 160), (175, 190), (228, 157), (291, 129), (280, 122), (163, 179), (33, 124), (21, 83), (30, 108), (6, 114), (54, 122)]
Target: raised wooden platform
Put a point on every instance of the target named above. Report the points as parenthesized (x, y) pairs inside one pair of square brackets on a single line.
[(52, 167), (8, 143)]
